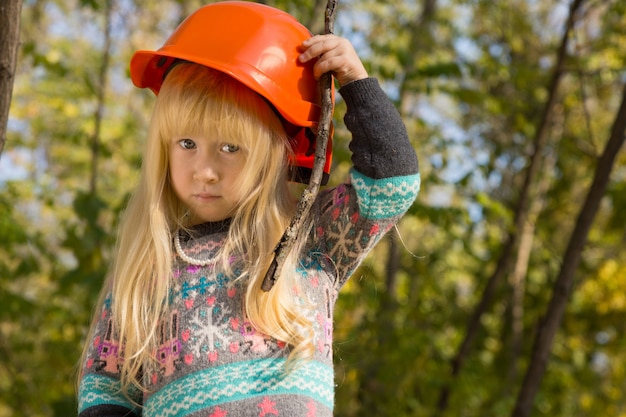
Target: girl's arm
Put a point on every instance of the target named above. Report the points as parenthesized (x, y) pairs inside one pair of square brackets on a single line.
[(384, 181), (381, 148)]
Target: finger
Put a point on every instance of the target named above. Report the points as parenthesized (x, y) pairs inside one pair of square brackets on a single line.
[(320, 38), (330, 60), (318, 45)]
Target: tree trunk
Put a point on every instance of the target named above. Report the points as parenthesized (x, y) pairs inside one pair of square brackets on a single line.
[(521, 213), (518, 277), (565, 280), (10, 11), (372, 383), (419, 42), (524, 251), (101, 87)]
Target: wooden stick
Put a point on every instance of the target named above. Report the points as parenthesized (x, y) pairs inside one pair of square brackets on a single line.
[(290, 236)]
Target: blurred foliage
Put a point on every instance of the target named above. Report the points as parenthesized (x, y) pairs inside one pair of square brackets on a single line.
[(470, 80)]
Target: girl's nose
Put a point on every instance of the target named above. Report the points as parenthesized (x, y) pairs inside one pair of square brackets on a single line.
[(206, 170)]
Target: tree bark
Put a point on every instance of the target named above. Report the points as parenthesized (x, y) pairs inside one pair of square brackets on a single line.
[(507, 256), (565, 279), (10, 11)]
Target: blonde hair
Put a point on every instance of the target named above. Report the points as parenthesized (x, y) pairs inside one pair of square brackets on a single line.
[(197, 100)]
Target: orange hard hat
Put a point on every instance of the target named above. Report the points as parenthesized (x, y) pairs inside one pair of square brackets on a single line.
[(258, 46)]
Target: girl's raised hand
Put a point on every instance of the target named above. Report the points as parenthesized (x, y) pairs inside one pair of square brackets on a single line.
[(335, 54)]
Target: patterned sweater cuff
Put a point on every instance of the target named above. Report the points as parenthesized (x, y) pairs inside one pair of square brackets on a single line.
[(384, 198), (102, 391)]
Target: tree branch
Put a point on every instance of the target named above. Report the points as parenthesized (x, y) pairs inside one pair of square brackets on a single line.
[(290, 236)]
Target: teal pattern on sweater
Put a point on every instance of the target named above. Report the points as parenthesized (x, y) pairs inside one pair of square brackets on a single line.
[(240, 381), (387, 197)]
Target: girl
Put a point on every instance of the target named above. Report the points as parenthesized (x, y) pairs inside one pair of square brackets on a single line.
[(183, 327)]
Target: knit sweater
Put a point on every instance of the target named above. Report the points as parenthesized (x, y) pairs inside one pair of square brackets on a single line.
[(211, 361)]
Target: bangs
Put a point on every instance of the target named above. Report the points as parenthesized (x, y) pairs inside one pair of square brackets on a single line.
[(196, 101)]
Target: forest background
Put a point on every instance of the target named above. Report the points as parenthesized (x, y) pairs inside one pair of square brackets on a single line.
[(503, 290)]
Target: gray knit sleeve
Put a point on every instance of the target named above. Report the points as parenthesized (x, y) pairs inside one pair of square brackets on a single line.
[(380, 145)]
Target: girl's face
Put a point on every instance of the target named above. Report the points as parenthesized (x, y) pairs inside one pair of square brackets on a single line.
[(204, 172)]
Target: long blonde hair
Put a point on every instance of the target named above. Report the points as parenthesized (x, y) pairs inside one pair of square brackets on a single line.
[(194, 100)]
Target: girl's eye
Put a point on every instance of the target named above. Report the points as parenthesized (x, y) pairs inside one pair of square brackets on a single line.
[(187, 144), (229, 148)]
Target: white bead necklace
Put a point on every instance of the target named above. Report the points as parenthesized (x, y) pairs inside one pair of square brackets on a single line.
[(189, 259)]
